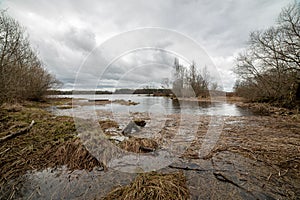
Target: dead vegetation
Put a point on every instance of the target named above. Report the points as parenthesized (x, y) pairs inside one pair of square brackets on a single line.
[(131, 144), (108, 124), (139, 145), (269, 143), (72, 154), (266, 109), (153, 186), (51, 142), (274, 141)]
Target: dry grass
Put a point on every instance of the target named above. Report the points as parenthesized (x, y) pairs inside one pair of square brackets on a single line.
[(107, 124), (72, 154), (266, 109), (139, 145), (235, 99), (153, 186), (11, 107), (51, 142)]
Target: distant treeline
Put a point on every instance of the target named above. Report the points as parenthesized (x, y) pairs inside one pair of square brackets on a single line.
[(153, 91), (60, 92), (158, 92), (149, 91)]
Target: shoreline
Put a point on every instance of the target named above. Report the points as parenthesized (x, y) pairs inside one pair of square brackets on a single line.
[(267, 147)]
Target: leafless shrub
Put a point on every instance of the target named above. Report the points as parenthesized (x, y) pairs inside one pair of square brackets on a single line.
[(191, 82), (269, 69), (22, 74)]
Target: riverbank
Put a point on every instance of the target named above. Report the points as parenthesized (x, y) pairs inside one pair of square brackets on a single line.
[(50, 142), (214, 99), (255, 157)]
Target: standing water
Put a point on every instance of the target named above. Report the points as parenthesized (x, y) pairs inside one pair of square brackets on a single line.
[(60, 183), (161, 105)]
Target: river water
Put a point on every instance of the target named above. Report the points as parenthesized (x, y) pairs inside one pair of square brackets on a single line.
[(161, 105)]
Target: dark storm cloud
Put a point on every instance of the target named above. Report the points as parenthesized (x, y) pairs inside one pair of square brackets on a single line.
[(64, 32)]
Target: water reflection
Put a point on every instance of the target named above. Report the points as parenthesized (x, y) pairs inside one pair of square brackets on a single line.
[(163, 105)]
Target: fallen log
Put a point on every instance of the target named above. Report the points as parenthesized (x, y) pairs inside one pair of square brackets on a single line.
[(15, 134)]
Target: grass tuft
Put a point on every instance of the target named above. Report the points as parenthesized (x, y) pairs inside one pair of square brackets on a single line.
[(152, 186)]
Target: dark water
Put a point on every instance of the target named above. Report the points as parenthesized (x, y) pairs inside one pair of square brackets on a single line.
[(163, 105)]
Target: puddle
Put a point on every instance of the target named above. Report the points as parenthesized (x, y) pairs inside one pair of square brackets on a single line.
[(62, 184)]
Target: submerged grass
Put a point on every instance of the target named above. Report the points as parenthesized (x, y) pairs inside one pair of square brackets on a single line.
[(153, 186)]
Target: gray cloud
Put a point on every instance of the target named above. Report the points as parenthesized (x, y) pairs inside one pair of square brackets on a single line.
[(79, 39), (64, 32)]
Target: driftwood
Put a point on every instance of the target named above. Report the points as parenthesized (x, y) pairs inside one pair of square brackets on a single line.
[(15, 134)]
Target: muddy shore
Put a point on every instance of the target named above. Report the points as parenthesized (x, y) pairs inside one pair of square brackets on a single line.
[(255, 157)]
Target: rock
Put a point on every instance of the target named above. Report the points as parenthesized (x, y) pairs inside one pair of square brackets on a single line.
[(140, 122), (130, 128)]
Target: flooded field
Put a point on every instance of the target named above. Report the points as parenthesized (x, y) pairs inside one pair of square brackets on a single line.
[(225, 152), (152, 104)]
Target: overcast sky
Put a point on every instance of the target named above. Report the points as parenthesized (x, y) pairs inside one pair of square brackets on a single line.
[(66, 31)]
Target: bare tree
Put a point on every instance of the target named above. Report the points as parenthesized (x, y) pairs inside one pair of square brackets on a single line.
[(189, 81), (22, 75), (178, 81), (269, 69)]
